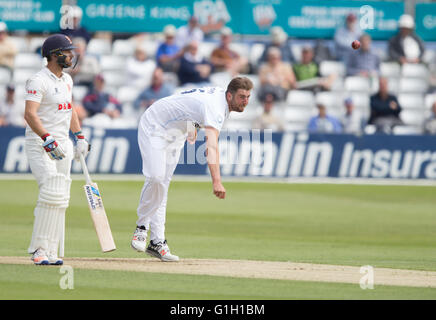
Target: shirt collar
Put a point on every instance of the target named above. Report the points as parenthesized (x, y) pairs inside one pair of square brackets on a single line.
[(53, 76)]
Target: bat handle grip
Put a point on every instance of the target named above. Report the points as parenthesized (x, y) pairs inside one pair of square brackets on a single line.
[(85, 170)]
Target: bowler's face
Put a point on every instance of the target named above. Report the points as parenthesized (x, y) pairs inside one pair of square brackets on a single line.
[(239, 100)]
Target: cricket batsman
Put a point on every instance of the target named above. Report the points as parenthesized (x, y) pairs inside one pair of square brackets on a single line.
[(50, 115), (162, 132)]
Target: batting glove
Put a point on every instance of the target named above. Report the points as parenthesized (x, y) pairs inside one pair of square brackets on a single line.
[(53, 149), (82, 146)]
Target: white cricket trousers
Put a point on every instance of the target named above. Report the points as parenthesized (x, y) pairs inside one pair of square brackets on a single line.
[(54, 181), (159, 160)]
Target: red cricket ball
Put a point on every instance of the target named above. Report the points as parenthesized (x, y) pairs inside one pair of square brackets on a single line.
[(355, 45)]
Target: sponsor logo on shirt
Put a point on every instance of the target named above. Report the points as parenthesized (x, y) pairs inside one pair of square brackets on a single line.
[(64, 106), (31, 91)]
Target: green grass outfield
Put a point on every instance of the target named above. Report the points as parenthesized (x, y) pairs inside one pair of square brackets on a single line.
[(356, 225)]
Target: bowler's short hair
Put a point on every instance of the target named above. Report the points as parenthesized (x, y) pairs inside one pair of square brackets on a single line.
[(239, 83)]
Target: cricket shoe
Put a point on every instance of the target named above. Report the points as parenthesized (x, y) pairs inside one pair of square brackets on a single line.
[(161, 251), (54, 260), (39, 257), (139, 240)]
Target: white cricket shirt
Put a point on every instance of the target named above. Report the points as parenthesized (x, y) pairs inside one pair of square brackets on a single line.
[(55, 97), (171, 116)]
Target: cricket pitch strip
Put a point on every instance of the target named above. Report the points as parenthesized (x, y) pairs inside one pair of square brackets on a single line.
[(250, 269)]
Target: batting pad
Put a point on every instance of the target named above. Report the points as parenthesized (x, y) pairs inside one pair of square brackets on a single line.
[(49, 213)]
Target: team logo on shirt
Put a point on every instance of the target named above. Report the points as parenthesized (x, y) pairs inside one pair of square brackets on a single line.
[(31, 91)]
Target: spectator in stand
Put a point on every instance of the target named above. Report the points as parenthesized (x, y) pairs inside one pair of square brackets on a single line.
[(279, 39), (323, 122), (78, 31), (11, 112), (223, 58), (8, 50), (139, 68), (168, 53), (188, 33), (267, 120), (98, 101), (87, 66), (275, 76), (352, 122), (345, 35), (430, 122), (385, 109), (307, 73), (363, 62), (406, 46), (158, 89), (194, 69)]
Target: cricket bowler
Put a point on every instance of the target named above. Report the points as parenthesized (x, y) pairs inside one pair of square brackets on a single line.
[(50, 115), (162, 132)]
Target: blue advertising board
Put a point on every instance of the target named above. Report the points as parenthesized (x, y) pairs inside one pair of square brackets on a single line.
[(257, 154), (426, 21)]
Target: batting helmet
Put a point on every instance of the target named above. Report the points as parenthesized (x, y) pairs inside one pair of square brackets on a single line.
[(56, 43)]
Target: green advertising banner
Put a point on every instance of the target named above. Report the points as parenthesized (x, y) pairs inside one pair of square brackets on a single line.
[(31, 15), (305, 19), (426, 21), (320, 19)]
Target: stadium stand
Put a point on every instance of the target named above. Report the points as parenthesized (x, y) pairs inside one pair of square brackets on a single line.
[(410, 82)]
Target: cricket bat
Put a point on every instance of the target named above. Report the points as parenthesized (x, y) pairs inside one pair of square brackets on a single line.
[(98, 214)]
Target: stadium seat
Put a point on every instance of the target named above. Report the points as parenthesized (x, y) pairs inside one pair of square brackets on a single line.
[(5, 76), (29, 61), (299, 114), (414, 70), (256, 52), (357, 84), (99, 47), (128, 94), (429, 56), (113, 78), (205, 49), (123, 47), (300, 98), (332, 100), (250, 112), (390, 69), (237, 125), (407, 130), (36, 43), (361, 102), (429, 100), (22, 75), (21, 43), (393, 85), (413, 85), (79, 92), (297, 50), (150, 47), (295, 126), (328, 67), (411, 101), (412, 117), (171, 78), (112, 63), (217, 79), (242, 49)]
